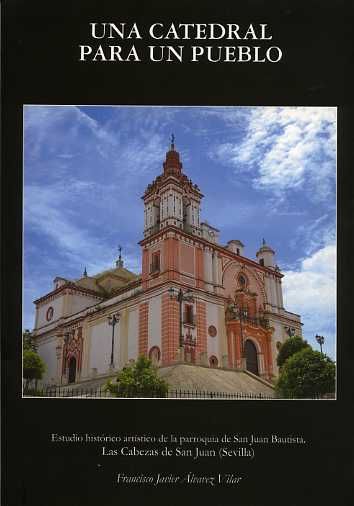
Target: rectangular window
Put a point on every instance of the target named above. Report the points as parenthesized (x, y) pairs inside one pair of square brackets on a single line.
[(188, 314), (155, 262)]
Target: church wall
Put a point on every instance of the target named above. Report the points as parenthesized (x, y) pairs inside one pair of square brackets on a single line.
[(187, 259), (154, 323), (122, 338), (279, 293), (86, 329), (213, 342), (278, 336), (171, 257), (47, 350), (101, 342), (222, 337), (169, 329), (208, 269), (199, 267), (77, 303), (58, 306), (133, 334), (273, 292)]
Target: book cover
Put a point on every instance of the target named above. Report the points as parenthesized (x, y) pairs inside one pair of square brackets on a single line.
[(176, 253)]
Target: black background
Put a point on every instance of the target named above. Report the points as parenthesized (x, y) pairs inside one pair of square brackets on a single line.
[(40, 66)]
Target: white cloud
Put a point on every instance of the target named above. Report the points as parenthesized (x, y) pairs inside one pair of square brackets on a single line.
[(313, 235), (58, 128), (64, 135), (311, 292), (47, 210), (287, 148)]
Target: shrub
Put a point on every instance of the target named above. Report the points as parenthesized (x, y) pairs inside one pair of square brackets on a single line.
[(139, 379), (306, 374)]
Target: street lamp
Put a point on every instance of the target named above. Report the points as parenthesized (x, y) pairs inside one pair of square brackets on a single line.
[(113, 320), (180, 296), (320, 340), (240, 314)]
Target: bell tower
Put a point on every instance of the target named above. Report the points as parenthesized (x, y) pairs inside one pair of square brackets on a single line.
[(173, 263), (172, 199)]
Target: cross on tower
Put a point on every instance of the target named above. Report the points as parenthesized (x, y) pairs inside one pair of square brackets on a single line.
[(119, 262)]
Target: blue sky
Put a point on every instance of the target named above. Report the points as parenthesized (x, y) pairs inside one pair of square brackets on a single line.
[(265, 172)]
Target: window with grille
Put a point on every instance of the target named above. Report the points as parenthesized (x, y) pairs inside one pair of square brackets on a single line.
[(155, 262)]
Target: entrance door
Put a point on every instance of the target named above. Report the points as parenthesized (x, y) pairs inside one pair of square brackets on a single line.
[(251, 357), (72, 370)]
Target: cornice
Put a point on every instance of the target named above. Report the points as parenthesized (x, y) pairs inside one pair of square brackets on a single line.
[(68, 286)]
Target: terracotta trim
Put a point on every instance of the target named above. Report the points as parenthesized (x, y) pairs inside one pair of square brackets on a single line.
[(229, 349), (201, 327), (169, 329)]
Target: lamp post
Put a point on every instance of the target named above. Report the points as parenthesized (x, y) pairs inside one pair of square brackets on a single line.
[(240, 313), (180, 296), (113, 320), (320, 340)]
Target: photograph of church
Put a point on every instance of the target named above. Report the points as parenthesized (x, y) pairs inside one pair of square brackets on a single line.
[(194, 300)]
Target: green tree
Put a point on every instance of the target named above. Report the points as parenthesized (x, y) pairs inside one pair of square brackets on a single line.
[(33, 367), (139, 379), (307, 373), (27, 341), (289, 347)]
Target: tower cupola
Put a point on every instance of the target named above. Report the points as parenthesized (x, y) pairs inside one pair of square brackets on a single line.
[(172, 164), (236, 246), (266, 255)]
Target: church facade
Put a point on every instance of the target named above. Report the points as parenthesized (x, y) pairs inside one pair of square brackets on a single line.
[(195, 301)]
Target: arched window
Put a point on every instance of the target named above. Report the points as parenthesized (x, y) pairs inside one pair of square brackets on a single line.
[(242, 281), (154, 355), (251, 357), (213, 361)]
